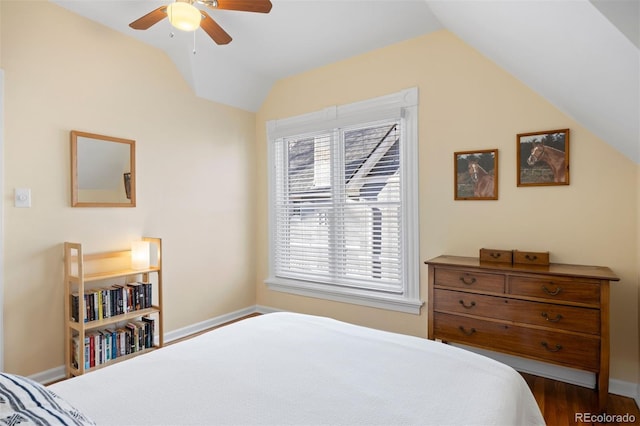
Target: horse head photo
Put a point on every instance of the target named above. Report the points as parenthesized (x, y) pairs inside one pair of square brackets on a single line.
[(543, 158), (553, 157), (483, 181), (476, 175)]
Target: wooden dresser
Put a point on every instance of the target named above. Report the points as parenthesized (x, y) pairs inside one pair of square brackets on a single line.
[(556, 313)]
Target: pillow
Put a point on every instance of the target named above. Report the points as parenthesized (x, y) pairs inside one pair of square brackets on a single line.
[(26, 402)]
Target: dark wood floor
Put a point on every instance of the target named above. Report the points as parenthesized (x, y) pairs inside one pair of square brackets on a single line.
[(564, 404)]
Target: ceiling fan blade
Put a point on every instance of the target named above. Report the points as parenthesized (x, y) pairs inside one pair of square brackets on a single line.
[(214, 30), (260, 6), (149, 19)]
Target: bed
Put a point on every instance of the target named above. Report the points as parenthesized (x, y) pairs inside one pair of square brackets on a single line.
[(294, 369)]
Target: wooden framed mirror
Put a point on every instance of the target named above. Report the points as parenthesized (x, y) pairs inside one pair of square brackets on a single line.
[(102, 171)]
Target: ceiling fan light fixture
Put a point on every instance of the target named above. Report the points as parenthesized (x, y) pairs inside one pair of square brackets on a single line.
[(184, 16)]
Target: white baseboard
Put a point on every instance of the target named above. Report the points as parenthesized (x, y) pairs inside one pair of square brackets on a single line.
[(562, 374), (266, 309), (537, 368), (49, 376), (630, 389), (210, 323)]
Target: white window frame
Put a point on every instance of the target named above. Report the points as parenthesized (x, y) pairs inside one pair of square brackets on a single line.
[(402, 105)]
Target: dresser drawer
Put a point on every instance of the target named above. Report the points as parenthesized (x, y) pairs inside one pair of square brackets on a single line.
[(477, 281), (556, 313), (555, 288), (555, 317), (556, 347)]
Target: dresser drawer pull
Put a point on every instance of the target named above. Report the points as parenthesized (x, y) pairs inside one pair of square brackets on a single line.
[(556, 319), (552, 293), (464, 330), (531, 257), (546, 346), (464, 280), (469, 306)]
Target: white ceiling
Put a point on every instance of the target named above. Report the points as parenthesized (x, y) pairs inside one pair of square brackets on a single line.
[(593, 44)]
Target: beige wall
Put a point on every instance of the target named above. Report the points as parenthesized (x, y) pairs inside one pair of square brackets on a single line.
[(468, 103), (64, 72)]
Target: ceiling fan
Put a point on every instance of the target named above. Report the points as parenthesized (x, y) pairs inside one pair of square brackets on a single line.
[(184, 16)]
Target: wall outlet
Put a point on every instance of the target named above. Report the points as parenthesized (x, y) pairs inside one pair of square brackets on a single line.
[(23, 197)]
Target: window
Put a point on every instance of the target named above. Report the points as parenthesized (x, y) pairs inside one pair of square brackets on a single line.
[(343, 203)]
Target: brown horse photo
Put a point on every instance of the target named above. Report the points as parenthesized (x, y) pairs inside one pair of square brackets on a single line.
[(476, 175), (483, 181), (543, 158), (553, 157)]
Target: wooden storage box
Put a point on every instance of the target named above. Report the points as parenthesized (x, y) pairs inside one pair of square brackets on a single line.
[(531, 257), (493, 255)]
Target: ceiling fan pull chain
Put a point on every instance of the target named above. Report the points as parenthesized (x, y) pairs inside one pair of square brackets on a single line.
[(194, 42)]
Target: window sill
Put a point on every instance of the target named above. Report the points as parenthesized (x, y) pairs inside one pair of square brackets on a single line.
[(373, 299)]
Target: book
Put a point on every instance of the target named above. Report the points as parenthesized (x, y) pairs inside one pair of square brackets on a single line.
[(88, 305), (114, 303), (75, 307), (87, 351), (122, 341), (75, 351), (98, 302), (114, 344), (122, 299), (137, 294), (105, 337), (150, 326), (147, 294), (106, 303), (133, 337), (94, 346)]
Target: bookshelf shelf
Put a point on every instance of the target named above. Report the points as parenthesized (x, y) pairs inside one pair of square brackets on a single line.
[(76, 371), (105, 322), (99, 276), (112, 312)]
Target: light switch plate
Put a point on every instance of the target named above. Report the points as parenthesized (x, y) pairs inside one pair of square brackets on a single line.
[(23, 197)]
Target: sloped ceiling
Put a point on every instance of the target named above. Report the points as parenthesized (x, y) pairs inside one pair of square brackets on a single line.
[(568, 52), (583, 56)]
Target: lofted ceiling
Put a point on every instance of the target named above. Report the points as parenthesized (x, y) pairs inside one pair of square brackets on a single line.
[(594, 44)]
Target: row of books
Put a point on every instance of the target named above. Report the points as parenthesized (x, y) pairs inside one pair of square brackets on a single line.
[(101, 346), (112, 301)]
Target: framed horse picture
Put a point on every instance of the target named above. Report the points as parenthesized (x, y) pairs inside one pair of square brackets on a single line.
[(543, 158), (476, 175)]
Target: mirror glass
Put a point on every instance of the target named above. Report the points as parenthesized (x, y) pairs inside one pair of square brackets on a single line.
[(102, 171)]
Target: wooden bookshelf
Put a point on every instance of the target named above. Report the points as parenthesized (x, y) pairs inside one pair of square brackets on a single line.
[(106, 310)]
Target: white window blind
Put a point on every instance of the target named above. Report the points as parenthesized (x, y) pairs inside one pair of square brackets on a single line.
[(340, 209), (345, 230)]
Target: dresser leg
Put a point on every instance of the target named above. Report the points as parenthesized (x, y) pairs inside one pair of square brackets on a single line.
[(603, 391)]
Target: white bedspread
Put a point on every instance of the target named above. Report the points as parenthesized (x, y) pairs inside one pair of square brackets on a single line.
[(286, 368)]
